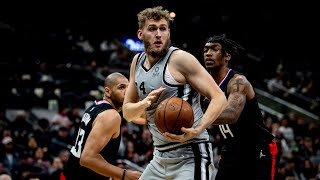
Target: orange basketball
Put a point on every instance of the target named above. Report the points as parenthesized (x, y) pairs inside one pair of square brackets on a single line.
[(172, 114)]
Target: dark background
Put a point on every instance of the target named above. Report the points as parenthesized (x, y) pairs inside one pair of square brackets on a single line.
[(270, 31)]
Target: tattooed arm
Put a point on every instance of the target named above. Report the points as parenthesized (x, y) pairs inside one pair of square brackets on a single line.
[(239, 88)]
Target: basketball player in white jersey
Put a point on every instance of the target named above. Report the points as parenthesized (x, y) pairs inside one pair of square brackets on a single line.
[(163, 71)]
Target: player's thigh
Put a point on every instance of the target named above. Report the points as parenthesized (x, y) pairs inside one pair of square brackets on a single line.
[(153, 171), (191, 169)]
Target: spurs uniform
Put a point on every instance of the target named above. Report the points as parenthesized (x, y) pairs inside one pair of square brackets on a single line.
[(189, 160)]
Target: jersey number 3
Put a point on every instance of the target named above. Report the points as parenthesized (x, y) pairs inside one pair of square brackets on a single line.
[(76, 149)]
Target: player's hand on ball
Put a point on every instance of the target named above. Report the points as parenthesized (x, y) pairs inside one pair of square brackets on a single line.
[(188, 133)]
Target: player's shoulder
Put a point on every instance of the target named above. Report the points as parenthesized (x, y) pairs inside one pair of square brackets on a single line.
[(240, 79), (239, 76), (182, 55), (178, 51), (110, 111), (134, 63), (136, 57), (112, 115)]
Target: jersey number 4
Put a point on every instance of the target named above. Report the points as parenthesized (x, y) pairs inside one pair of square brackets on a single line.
[(142, 88)]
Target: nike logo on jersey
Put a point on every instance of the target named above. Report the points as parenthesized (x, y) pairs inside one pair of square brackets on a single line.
[(261, 154)]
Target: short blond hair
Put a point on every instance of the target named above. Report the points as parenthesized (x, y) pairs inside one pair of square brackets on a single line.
[(155, 13)]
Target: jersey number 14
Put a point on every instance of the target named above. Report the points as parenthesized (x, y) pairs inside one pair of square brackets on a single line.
[(225, 129)]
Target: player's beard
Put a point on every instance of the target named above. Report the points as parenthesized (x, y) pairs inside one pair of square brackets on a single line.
[(117, 102), (154, 53)]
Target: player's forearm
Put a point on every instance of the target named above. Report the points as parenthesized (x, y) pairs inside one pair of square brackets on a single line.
[(140, 121), (228, 116), (231, 113), (215, 108), (133, 112), (98, 164)]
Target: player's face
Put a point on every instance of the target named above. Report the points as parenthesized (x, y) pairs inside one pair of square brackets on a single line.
[(213, 56), (118, 92), (156, 37)]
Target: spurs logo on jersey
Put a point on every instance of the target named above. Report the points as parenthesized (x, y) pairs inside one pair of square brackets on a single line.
[(155, 72)]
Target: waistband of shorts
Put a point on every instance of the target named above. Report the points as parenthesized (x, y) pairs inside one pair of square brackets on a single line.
[(173, 146)]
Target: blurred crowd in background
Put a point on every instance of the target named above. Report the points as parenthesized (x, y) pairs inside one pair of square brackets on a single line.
[(58, 72)]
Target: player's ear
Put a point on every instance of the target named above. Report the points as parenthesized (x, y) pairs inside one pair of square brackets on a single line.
[(107, 92), (227, 57), (139, 34)]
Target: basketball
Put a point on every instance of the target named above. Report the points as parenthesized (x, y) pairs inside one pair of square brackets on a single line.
[(172, 114)]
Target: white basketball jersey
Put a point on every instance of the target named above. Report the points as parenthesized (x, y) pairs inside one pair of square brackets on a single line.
[(149, 79)]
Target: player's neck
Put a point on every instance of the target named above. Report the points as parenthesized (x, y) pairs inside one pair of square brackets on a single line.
[(150, 61), (107, 100), (219, 74)]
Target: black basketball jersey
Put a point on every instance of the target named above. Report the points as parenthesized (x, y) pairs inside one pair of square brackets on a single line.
[(244, 138), (73, 169)]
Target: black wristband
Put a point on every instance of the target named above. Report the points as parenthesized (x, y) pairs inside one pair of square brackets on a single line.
[(123, 174)]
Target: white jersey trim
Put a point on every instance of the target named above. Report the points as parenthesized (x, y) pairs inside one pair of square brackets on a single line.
[(169, 78)]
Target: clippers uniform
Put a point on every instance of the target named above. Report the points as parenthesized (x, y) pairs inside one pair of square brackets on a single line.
[(188, 160), (73, 169), (248, 150)]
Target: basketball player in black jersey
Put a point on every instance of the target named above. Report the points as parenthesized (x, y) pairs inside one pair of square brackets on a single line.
[(248, 150), (94, 153)]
